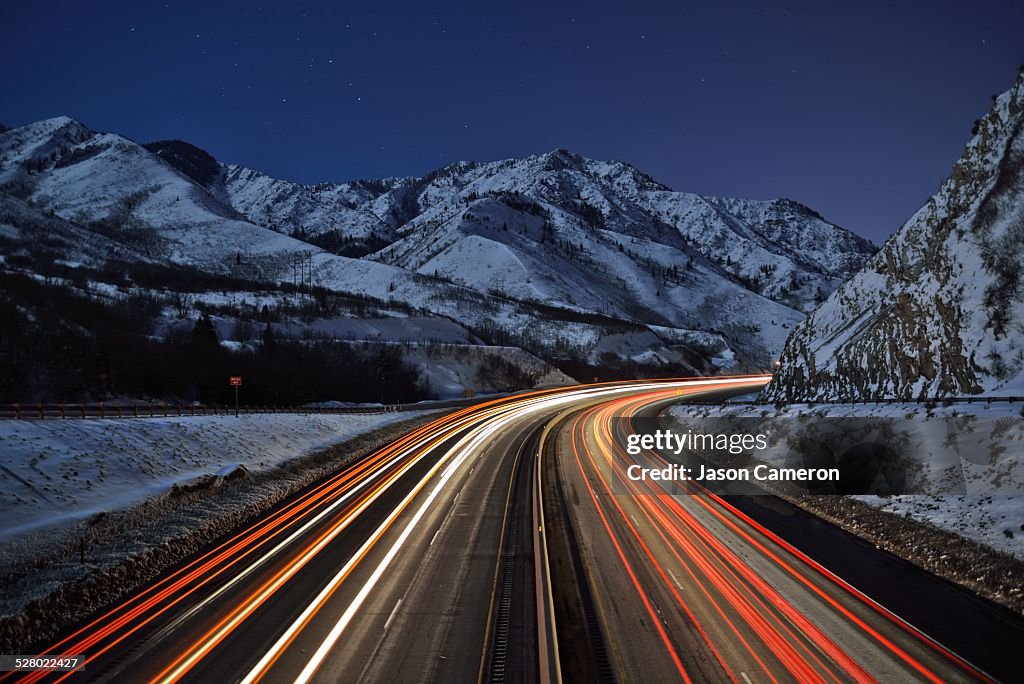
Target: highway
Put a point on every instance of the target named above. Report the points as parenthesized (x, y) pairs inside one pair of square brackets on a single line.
[(487, 546), (386, 571), (705, 593)]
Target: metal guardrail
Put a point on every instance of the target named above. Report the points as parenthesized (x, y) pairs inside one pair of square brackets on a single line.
[(40, 411), (944, 401), (168, 409)]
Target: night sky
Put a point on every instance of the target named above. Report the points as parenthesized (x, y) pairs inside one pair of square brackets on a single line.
[(857, 109)]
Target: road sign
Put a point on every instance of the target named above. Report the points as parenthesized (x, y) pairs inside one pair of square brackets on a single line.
[(236, 382)]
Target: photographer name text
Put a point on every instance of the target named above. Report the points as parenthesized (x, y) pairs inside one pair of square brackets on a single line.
[(701, 473)]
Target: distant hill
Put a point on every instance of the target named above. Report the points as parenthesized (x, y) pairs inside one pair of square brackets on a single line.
[(585, 263)]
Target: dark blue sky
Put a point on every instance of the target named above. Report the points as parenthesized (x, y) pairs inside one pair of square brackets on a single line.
[(855, 108)]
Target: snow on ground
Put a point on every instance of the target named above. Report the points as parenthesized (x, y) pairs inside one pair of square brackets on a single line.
[(54, 471), (986, 504), (478, 261), (448, 372), (412, 328)]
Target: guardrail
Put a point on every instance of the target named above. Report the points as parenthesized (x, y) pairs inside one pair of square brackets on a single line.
[(163, 409), (936, 401)]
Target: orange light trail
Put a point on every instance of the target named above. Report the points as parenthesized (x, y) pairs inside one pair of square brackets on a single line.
[(287, 532), (740, 601)]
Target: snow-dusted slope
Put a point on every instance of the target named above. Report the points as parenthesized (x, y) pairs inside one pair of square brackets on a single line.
[(120, 190), (326, 214), (562, 201), (21, 223), (59, 472), (601, 236), (560, 248), (940, 310)]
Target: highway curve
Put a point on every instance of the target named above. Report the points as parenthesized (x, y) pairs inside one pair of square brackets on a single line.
[(689, 588), (387, 571), (451, 555)]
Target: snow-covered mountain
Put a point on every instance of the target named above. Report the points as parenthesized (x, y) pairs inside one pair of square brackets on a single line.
[(555, 251), (330, 215), (778, 248), (572, 232), (940, 309)]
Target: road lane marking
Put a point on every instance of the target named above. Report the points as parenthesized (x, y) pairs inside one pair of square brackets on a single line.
[(476, 437), (393, 613)]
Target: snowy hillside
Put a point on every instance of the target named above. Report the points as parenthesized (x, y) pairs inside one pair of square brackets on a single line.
[(940, 310), (572, 232), (117, 188), (581, 210), (968, 468), (560, 255), (55, 472)]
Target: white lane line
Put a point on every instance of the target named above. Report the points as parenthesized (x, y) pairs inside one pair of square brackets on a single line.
[(745, 677), (335, 633), (393, 613), (285, 638), (255, 564), (674, 579), (434, 538)]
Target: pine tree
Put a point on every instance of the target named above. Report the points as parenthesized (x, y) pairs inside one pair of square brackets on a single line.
[(269, 339), (205, 333)]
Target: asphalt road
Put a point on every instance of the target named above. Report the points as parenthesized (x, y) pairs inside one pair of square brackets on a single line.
[(430, 561), (386, 572), (690, 588)]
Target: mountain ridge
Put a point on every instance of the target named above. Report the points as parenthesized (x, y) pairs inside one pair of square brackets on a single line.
[(481, 243), (939, 309)]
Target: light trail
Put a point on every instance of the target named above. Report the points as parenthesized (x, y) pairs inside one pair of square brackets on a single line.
[(704, 560), (728, 602), (297, 532), (460, 453)]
